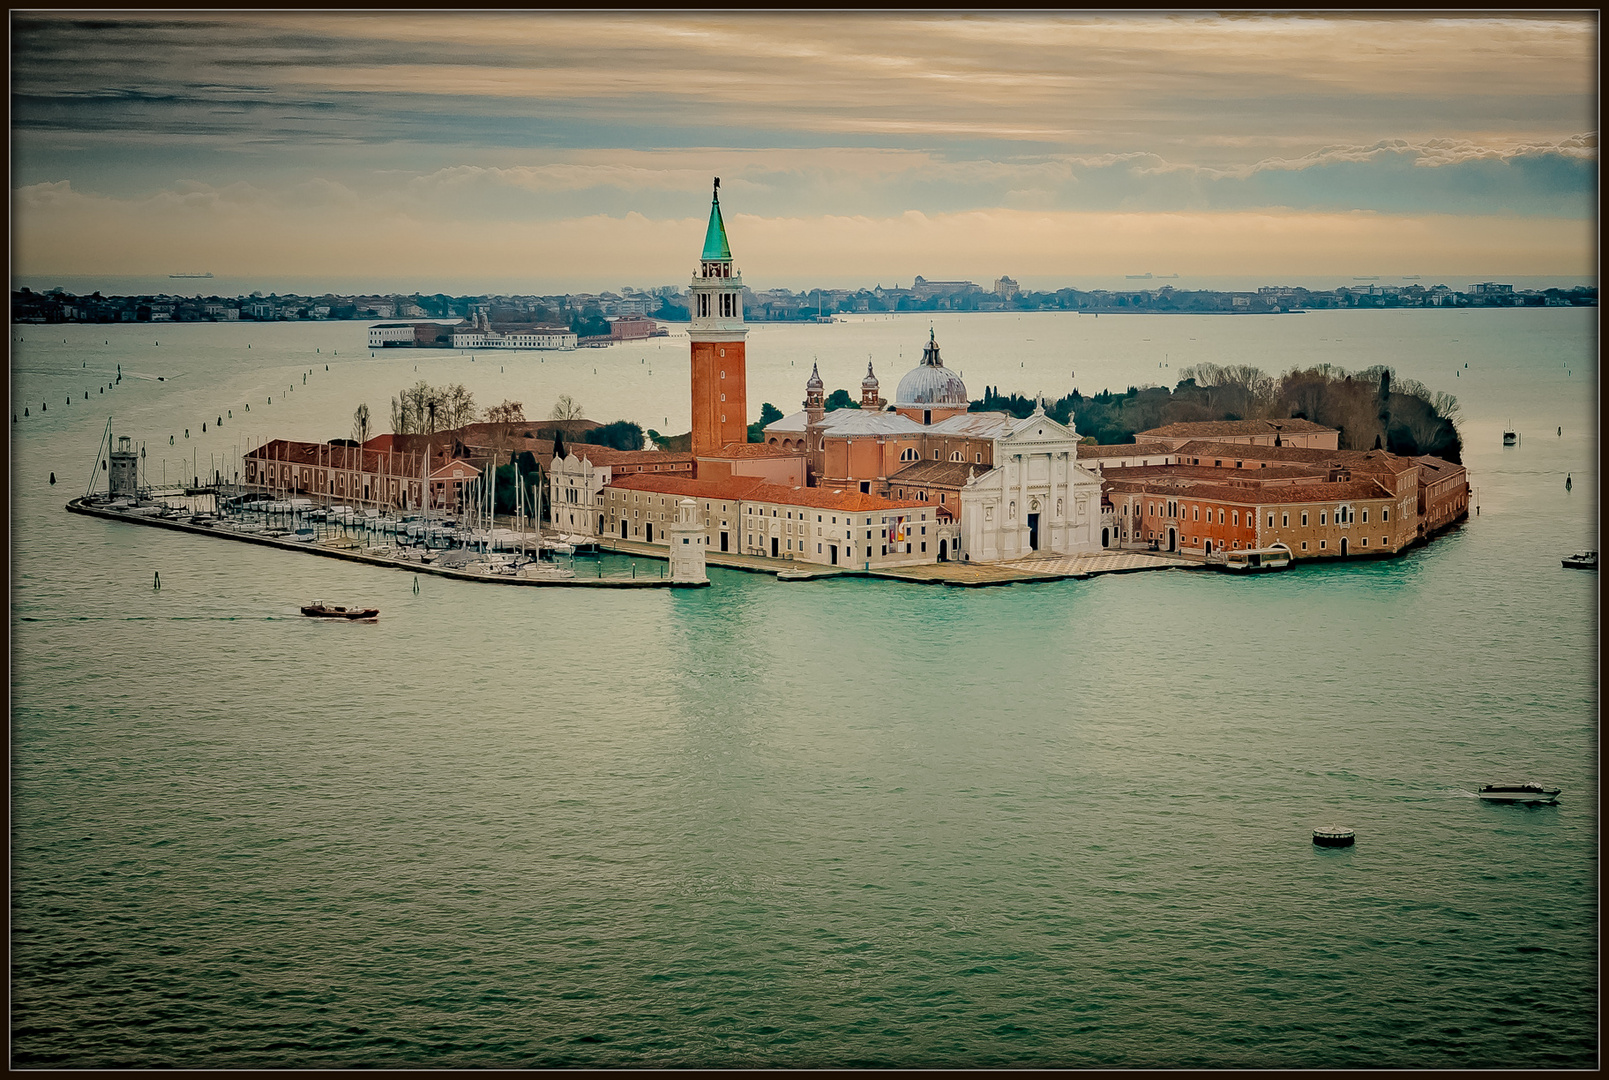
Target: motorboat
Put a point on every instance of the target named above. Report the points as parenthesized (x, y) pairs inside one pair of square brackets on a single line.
[(1519, 793), (1257, 560), (318, 609), (1509, 438), (1586, 560)]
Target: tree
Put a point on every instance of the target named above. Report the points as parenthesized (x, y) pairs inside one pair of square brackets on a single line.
[(840, 399), (360, 424), (621, 434), (769, 414), (566, 408), (509, 412)]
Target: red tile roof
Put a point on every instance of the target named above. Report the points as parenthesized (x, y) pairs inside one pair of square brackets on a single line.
[(754, 489), (738, 451), (1205, 429), (1125, 450)]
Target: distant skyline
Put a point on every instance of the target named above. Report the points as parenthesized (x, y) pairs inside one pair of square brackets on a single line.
[(528, 153)]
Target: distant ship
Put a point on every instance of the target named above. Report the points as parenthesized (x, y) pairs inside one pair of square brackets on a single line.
[(1375, 277), (1167, 275), (1411, 277), (189, 275), (1138, 277)]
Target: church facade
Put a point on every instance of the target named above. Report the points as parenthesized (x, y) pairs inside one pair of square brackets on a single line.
[(1037, 500)]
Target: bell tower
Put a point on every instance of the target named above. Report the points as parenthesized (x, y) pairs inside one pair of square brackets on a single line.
[(719, 375)]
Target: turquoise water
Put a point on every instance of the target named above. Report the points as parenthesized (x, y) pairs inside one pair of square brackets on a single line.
[(825, 823)]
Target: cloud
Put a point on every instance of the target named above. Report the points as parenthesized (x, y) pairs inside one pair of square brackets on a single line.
[(243, 234)]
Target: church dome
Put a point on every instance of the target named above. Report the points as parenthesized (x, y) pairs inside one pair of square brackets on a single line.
[(870, 381), (930, 383), (814, 382)]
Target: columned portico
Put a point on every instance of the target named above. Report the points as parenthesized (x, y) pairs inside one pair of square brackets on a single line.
[(1036, 499)]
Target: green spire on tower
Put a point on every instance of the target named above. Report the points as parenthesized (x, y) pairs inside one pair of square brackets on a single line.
[(715, 245)]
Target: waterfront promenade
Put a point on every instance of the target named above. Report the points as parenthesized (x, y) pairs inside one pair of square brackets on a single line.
[(959, 574)]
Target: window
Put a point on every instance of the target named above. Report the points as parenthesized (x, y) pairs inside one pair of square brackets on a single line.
[(1304, 517), (1386, 540), (935, 455), (924, 545), (1385, 514), (1284, 519), (818, 548), (1365, 541), (978, 458), (908, 454), (1304, 545), (956, 456), (1365, 519), (1321, 519), (1236, 517), (1321, 543), (1195, 513)]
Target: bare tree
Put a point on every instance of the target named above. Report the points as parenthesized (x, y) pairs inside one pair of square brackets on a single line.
[(360, 424), (566, 408), (509, 412)]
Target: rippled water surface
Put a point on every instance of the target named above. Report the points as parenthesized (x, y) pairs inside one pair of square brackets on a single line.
[(774, 823)]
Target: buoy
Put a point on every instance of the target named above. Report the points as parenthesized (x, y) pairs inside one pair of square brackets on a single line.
[(416, 585), (248, 408), (156, 579), (1567, 481), (187, 433), (170, 440), (1330, 836), (86, 395), (203, 425), (1561, 431), (25, 410), (43, 406), (231, 414), (52, 479)]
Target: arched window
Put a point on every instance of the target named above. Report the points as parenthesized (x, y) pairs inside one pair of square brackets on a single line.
[(908, 454), (823, 444), (956, 456)]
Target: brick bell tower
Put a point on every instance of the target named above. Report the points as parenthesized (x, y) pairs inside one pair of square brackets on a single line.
[(720, 384)]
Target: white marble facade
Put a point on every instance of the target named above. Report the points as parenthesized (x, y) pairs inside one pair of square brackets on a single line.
[(1037, 498)]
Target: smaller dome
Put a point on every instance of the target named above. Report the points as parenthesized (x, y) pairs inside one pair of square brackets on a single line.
[(870, 381), (815, 382)]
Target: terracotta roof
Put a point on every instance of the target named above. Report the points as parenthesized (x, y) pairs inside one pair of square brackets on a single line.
[(1371, 461), (1437, 466), (323, 455), (1181, 487), (1135, 449), (943, 473), (1210, 474), (738, 451), (739, 488), (608, 455), (1205, 429)]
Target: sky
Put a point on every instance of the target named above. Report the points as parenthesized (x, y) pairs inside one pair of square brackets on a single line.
[(539, 152)]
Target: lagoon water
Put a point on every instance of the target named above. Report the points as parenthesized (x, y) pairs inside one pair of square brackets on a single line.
[(825, 823)]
